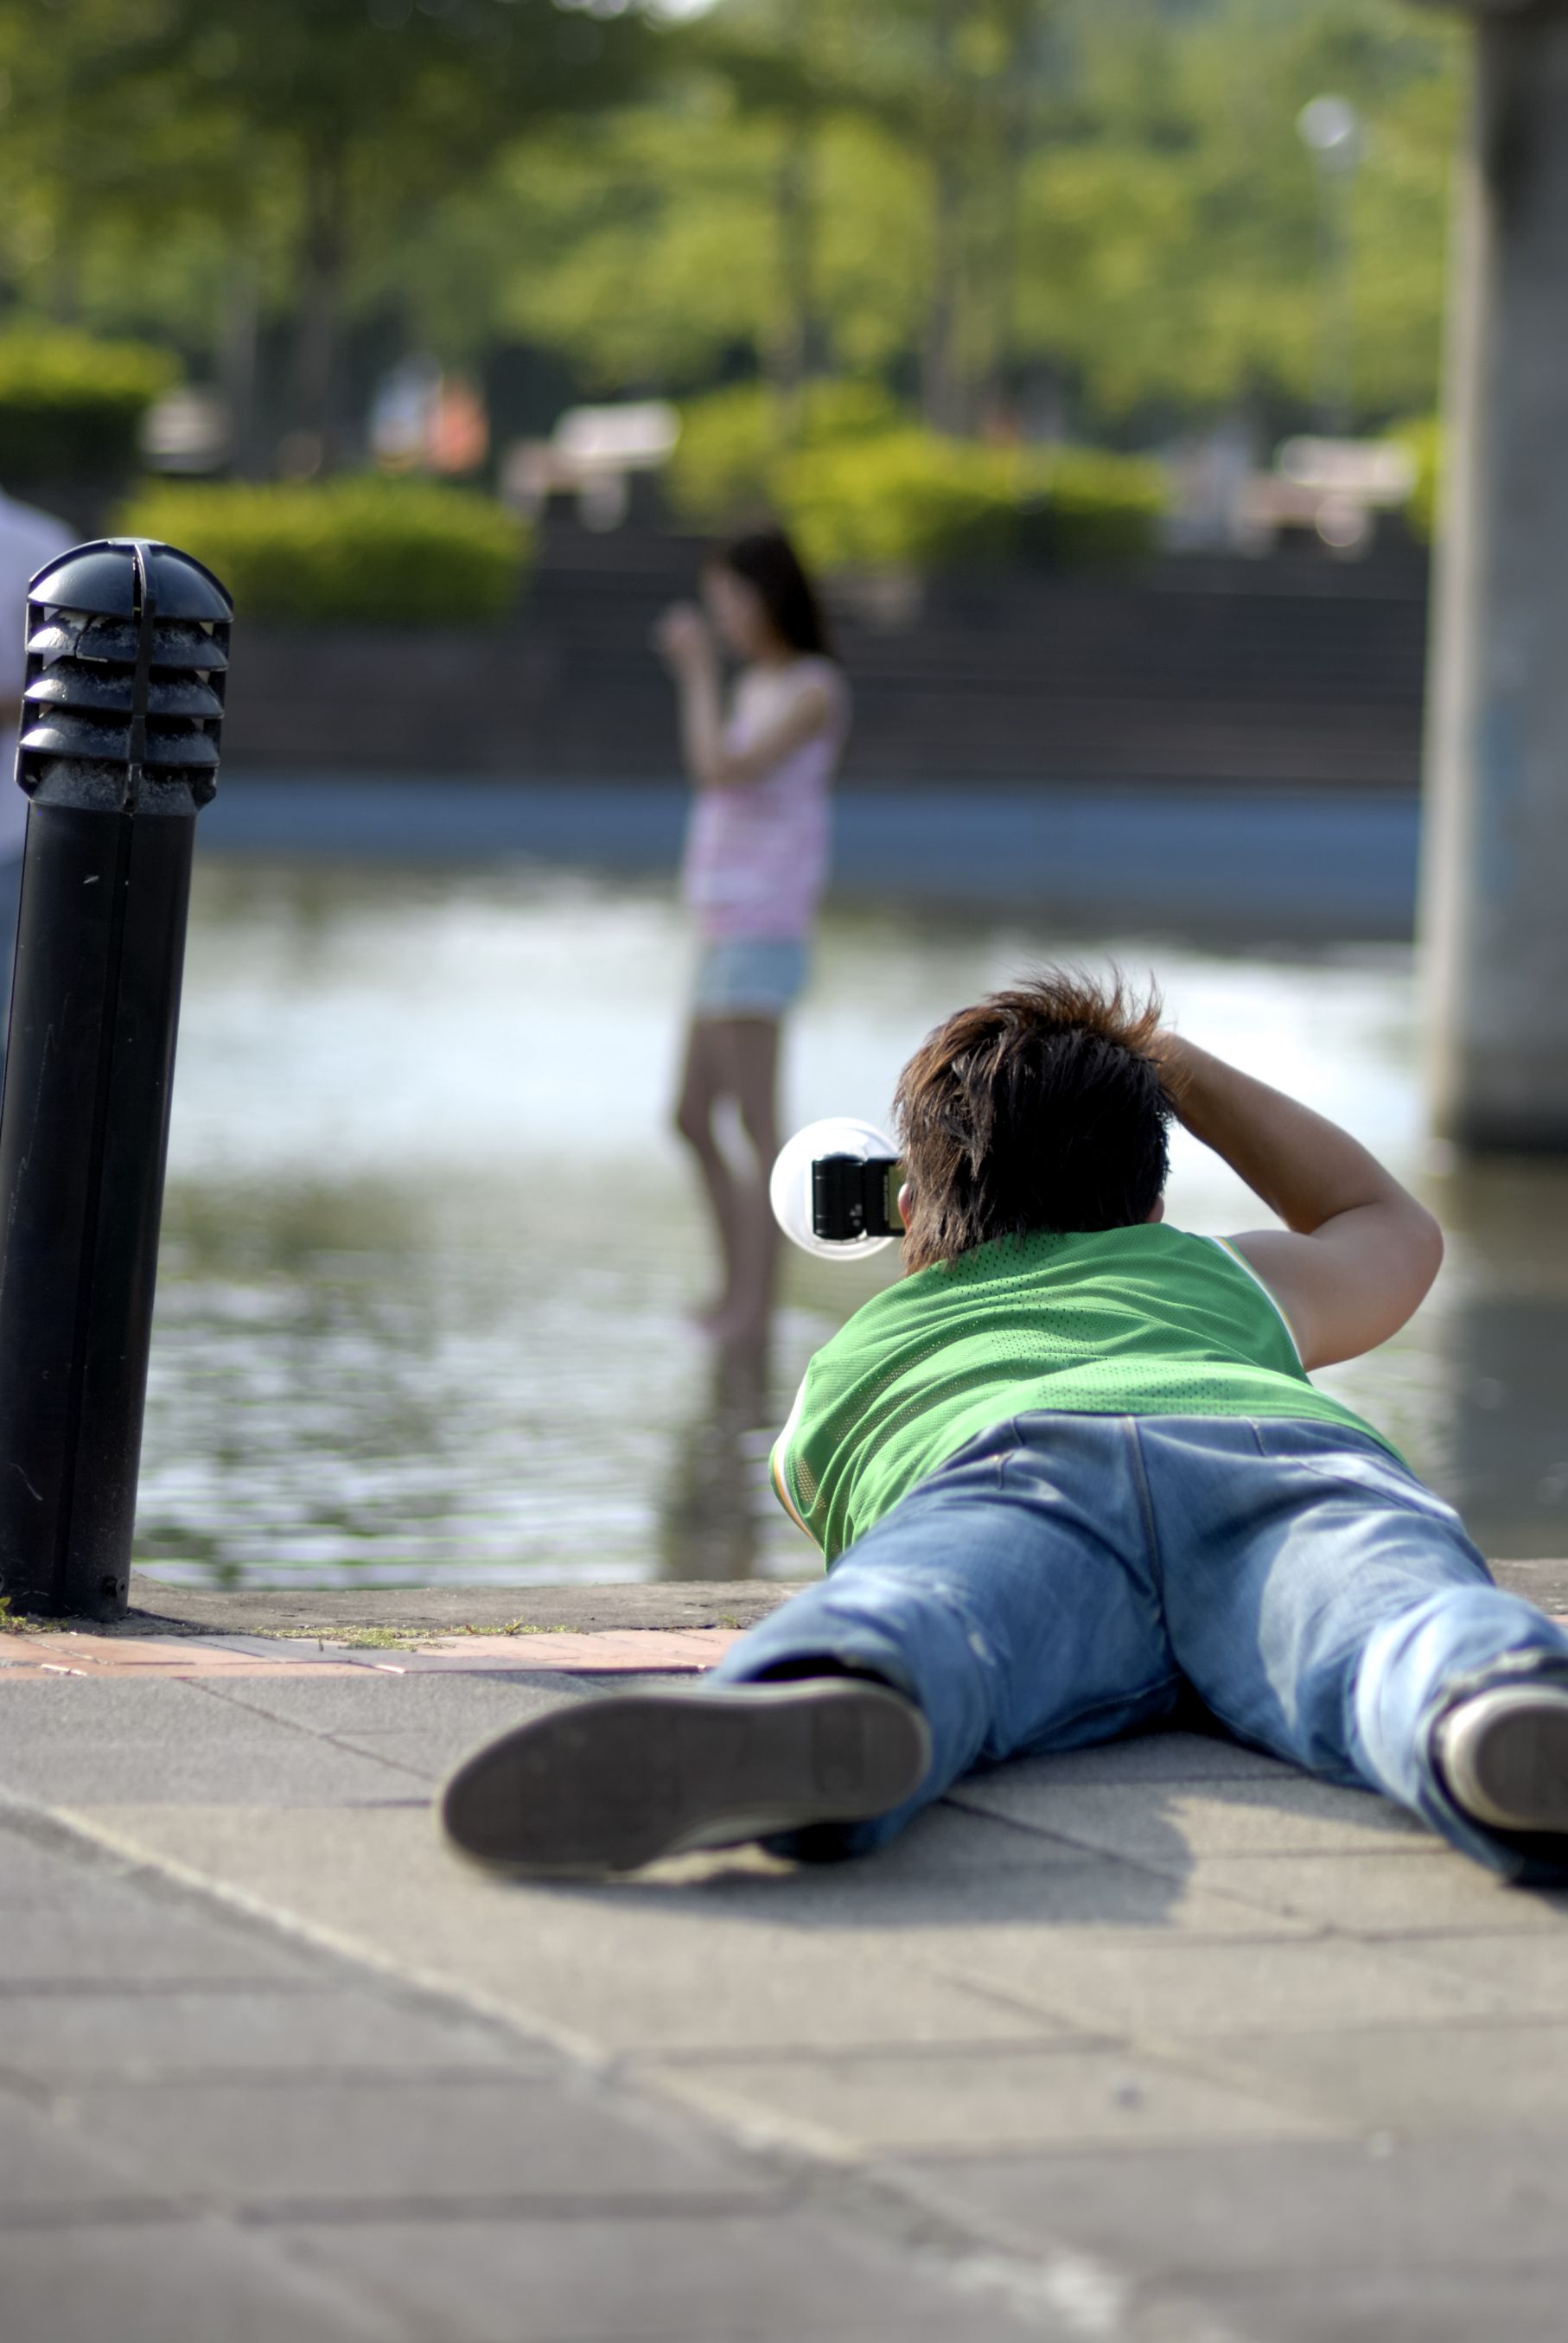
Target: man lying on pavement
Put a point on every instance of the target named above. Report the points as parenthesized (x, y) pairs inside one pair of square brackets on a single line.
[(1070, 1471)]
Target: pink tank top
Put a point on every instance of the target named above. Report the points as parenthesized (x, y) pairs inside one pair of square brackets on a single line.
[(756, 856)]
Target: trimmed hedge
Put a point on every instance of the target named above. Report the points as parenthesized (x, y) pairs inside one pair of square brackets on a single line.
[(1423, 439), (910, 499), (863, 487), (906, 500), (732, 440), (1082, 506), (70, 408), (356, 550)]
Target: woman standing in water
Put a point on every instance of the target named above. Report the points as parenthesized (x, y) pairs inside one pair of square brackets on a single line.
[(756, 861)]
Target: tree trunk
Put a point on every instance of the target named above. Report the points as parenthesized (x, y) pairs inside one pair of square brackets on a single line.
[(239, 324), (1012, 111), (315, 442), (791, 351), (943, 396)]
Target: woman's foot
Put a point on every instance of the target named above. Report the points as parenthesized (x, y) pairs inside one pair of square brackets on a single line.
[(609, 1784), (708, 1316), (741, 1325)]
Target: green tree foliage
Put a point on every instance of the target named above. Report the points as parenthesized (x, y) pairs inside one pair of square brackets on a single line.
[(292, 146), (1110, 195), (1175, 239), (989, 206)]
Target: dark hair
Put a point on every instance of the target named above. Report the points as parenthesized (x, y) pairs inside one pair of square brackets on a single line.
[(769, 563), (1040, 1108)]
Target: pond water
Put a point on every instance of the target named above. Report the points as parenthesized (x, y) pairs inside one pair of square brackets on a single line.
[(428, 1247)]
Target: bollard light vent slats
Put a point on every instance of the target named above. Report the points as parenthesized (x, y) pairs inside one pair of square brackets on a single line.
[(84, 684), (63, 634), (72, 732), (127, 653)]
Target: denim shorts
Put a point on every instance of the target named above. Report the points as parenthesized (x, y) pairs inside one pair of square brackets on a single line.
[(749, 976)]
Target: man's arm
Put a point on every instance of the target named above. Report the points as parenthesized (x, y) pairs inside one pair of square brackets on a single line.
[(1357, 1254)]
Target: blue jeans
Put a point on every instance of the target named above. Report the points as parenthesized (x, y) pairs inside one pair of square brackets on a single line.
[(1065, 1578)]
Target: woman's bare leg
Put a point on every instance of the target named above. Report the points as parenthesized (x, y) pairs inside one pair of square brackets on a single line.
[(703, 1078), (747, 1047)]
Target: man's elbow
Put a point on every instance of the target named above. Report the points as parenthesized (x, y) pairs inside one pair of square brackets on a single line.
[(1423, 1244)]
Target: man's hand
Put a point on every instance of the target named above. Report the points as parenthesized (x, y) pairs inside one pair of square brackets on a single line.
[(1357, 1254)]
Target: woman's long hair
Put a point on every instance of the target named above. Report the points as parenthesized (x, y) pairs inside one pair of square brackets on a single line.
[(769, 564)]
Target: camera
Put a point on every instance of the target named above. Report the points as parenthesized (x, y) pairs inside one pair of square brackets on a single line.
[(851, 1198), (835, 1190)]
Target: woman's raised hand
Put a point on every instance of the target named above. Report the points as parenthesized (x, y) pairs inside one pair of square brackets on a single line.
[(682, 637)]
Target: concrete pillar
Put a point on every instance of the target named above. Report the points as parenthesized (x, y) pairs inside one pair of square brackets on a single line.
[(1495, 882)]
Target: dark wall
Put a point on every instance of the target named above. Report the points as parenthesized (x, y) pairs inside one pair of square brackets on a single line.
[(1291, 672)]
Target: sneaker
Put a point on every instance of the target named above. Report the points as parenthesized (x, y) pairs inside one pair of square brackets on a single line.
[(1504, 1757), (611, 1784)]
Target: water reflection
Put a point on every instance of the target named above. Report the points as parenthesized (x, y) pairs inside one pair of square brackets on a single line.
[(716, 1497), (428, 1248), (1503, 1347)]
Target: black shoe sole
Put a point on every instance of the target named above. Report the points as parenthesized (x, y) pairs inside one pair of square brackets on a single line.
[(611, 1784), (1515, 1775)]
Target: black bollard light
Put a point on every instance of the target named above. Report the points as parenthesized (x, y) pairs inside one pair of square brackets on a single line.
[(127, 648)]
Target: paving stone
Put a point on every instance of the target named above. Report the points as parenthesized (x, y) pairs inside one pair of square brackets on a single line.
[(1020, 2096), (1183, 1985), (1416, 2079), (1422, 1892), (608, 1970), (1434, 2305), (193, 2283), (44, 1870), (112, 2033), (944, 1845), (66, 1711), (367, 1703), (43, 2166), (109, 1933), (1290, 1815), (1074, 1891), (1528, 1972), (298, 1772), (487, 2136), (1143, 1757), (641, 1979), (64, 1742), (737, 1961), (676, 1989), (676, 1652), (726, 2279), (1198, 2211), (430, 1753)]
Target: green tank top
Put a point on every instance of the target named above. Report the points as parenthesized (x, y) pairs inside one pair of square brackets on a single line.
[(1144, 1321)]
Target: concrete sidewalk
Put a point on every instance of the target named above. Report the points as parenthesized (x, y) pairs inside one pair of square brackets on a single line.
[(1158, 2042)]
